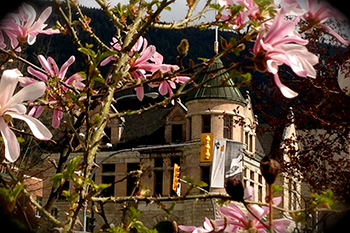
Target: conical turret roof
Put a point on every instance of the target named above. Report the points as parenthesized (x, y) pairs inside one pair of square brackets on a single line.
[(216, 90)]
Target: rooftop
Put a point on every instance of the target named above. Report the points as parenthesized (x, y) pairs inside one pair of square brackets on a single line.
[(220, 87)]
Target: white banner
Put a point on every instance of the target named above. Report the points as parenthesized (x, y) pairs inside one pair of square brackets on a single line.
[(233, 166), (218, 164)]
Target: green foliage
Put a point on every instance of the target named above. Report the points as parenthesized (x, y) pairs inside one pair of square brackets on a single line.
[(11, 195), (324, 200), (190, 181), (132, 224), (67, 174), (167, 210), (276, 189)]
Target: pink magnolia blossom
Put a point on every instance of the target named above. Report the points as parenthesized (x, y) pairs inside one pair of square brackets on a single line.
[(318, 12), (166, 86), (251, 221), (11, 107), (283, 45), (234, 218), (218, 225), (250, 11), (51, 67), (22, 27), (233, 212), (144, 62)]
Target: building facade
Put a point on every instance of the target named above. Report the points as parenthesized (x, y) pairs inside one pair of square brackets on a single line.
[(156, 140)]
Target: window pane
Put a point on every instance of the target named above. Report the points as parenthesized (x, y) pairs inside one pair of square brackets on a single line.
[(228, 127), (205, 176), (110, 190), (131, 181), (158, 182), (206, 123), (108, 167), (176, 133)]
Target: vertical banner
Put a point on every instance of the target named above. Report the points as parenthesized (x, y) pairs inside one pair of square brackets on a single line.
[(234, 160), (218, 164)]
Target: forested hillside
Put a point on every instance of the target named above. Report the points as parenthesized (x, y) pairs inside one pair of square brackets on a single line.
[(60, 47)]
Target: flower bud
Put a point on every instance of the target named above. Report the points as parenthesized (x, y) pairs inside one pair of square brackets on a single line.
[(234, 188), (269, 169), (183, 47)]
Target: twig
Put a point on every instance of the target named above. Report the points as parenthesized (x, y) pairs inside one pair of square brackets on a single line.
[(270, 209)]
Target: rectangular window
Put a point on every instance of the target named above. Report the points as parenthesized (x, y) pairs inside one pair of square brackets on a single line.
[(250, 146), (228, 120), (158, 182), (65, 186), (174, 160), (246, 138), (206, 124), (176, 133), (189, 127), (158, 162), (108, 167), (40, 202), (158, 176), (110, 190), (205, 176), (131, 180)]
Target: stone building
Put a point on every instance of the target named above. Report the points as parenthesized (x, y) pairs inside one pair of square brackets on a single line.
[(157, 139)]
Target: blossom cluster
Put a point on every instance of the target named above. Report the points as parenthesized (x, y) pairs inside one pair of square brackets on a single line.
[(278, 41), (144, 62), (23, 26), (233, 218)]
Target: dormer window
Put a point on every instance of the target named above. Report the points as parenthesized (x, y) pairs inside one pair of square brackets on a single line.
[(176, 133)]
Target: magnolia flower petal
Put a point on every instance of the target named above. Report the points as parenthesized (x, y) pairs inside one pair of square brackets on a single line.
[(181, 79), (140, 93), (249, 193), (76, 81), (37, 74), (65, 67), (163, 88), (146, 55), (42, 18), (30, 13), (52, 63), (286, 91), (31, 39), (19, 108), (207, 225), (8, 83), (187, 228), (44, 63), (12, 149), (257, 210), (233, 211), (107, 60), (38, 129), (56, 118), (29, 92), (36, 111), (281, 225), (276, 200)]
